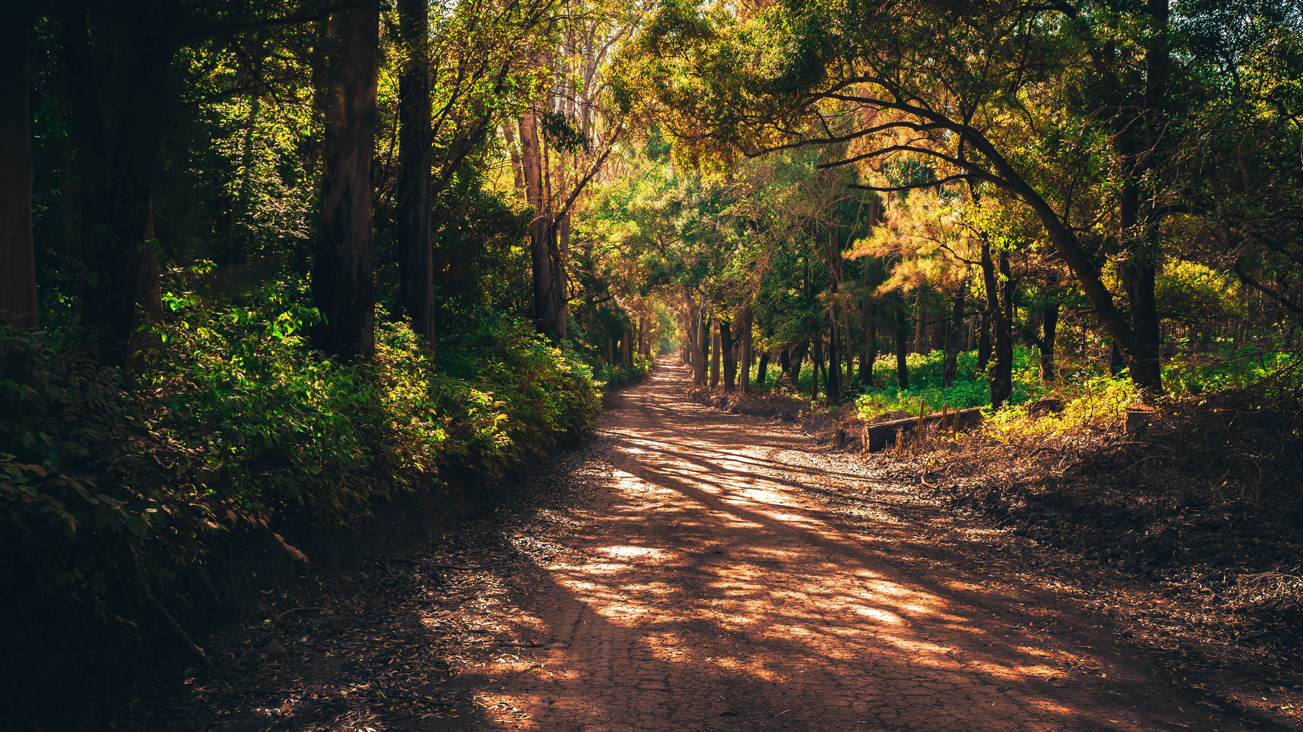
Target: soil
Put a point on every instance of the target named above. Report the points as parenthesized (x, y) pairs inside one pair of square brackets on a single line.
[(692, 569)]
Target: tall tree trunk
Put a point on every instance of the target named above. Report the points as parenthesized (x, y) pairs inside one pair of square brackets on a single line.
[(413, 212), (999, 305), (870, 353), (983, 340), (797, 361), (1049, 325), (726, 348), (702, 356), (714, 355), (833, 381), (513, 153), (542, 236), (902, 344), (118, 55), (560, 290), (343, 277), (149, 290), (17, 251), (746, 350), (955, 337), (818, 366), (762, 368)]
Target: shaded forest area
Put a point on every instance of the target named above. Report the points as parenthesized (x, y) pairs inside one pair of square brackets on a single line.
[(281, 280), (280, 276)]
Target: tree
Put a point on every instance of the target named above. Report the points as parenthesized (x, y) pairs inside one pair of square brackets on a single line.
[(897, 80), (343, 276), (414, 204), (120, 121), (18, 305)]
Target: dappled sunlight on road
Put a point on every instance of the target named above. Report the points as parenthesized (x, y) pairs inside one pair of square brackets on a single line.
[(711, 592)]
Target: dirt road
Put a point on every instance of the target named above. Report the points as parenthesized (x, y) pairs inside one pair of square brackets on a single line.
[(709, 585)]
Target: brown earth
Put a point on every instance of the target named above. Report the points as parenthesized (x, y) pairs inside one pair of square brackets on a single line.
[(695, 570)]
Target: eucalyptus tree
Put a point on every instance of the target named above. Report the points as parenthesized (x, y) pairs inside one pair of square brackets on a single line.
[(567, 131), (1053, 104), (461, 76)]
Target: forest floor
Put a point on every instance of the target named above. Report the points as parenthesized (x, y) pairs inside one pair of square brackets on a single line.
[(691, 569)]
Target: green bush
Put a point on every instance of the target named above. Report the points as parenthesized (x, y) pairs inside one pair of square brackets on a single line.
[(970, 389), (619, 375), (231, 415), (77, 507)]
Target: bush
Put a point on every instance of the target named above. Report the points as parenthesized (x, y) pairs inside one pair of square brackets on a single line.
[(77, 511), (232, 416), (970, 389)]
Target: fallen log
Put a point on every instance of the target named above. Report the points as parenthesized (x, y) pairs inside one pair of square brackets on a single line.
[(878, 435)]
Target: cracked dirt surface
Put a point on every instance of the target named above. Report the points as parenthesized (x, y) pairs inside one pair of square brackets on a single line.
[(706, 586)]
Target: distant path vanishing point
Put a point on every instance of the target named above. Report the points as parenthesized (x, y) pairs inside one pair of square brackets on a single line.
[(709, 590)]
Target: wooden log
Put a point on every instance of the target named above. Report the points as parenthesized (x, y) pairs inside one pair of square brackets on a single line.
[(878, 435)]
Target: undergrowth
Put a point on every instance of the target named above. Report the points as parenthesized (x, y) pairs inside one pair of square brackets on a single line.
[(1202, 495), (231, 417)]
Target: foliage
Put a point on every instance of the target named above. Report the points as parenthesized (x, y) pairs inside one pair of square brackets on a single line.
[(232, 412), (969, 390)]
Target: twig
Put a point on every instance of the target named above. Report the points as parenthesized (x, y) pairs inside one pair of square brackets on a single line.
[(297, 610), (195, 650)]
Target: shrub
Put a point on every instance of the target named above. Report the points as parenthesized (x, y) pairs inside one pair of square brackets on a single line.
[(230, 414)]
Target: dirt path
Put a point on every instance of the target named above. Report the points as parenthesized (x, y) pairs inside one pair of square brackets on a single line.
[(705, 587), (687, 569)]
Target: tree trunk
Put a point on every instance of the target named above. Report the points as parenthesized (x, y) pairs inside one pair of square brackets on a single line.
[(17, 251), (119, 122), (818, 366), (726, 348), (1138, 220), (998, 296), (714, 355), (513, 153), (833, 381), (703, 345), (798, 360), (785, 363), (149, 290), (413, 211), (762, 368), (983, 340), (1049, 324), (955, 337), (902, 344), (746, 350), (542, 236), (343, 277), (870, 353)]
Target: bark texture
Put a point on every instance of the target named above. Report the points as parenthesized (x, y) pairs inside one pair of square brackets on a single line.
[(343, 277), (413, 211), (545, 257)]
